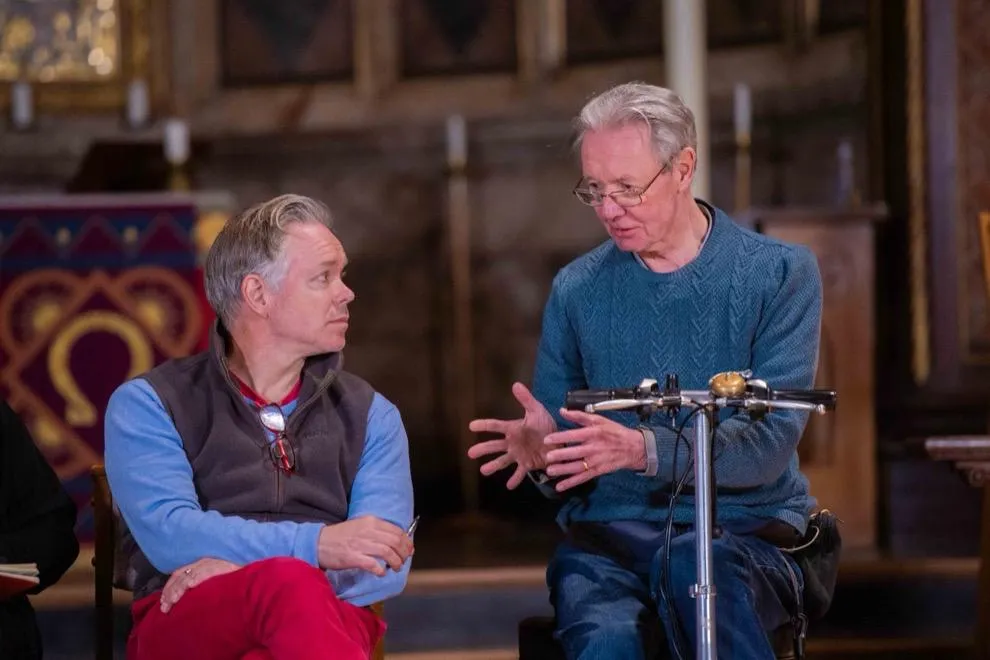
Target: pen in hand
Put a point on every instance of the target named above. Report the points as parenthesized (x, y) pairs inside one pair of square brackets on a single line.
[(412, 527)]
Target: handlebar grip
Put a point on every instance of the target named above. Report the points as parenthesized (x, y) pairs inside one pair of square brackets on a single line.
[(579, 399), (817, 397)]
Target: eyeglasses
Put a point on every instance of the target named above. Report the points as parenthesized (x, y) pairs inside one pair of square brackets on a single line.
[(624, 197), (281, 452)]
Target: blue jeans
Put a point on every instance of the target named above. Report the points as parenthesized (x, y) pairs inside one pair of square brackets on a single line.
[(608, 609)]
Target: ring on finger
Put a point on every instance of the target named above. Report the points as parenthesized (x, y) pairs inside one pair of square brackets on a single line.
[(585, 464)]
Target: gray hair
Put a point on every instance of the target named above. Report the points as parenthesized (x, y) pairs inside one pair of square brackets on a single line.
[(670, 121), (252, 243)]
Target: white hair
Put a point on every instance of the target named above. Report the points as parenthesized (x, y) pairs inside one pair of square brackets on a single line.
[(669, 120)]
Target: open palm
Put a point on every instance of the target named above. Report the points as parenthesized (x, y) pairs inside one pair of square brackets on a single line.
[(521, 443)]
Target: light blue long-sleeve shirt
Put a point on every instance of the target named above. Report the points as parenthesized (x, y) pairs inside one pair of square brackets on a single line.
[(152, 484)]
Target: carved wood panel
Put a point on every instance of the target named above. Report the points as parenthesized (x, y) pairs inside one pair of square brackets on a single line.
[(836, 16), (954, 186), (265, 42), (599, 30), (416, 61), (445, 37), (737, 22), (973, 112), (838, 450)]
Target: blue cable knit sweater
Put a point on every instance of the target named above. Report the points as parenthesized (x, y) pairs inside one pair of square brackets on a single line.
[(747, 301)]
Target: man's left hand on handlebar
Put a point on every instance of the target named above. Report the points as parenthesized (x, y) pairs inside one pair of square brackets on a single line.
[(599, 446)]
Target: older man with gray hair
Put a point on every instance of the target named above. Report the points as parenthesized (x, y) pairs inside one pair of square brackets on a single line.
[(265, 492), (679, 288)]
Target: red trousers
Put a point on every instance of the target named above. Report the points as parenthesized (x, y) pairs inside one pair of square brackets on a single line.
[(274, 609)]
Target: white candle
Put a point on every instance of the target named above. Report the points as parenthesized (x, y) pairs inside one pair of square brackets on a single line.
[(21, 104), (176, 142), (456, 141), (742, 112), (137, 103)]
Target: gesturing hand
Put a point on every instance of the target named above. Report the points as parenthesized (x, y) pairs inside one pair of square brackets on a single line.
[(190, 575), (522, 439), (600, 446), (362, 543)]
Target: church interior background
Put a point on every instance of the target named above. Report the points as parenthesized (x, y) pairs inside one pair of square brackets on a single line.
[(437, 131)]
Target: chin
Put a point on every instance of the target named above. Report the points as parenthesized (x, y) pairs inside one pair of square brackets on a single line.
[(334, 346), (630, 240), (326, 343), (629, 244)]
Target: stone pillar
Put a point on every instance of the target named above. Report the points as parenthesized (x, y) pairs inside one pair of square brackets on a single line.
[(686, 63)]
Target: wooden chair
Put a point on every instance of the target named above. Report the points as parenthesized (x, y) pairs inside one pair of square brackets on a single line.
[(109, 575), (103, 562)]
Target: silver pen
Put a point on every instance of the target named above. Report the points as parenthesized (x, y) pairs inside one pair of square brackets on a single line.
[(412, 527)]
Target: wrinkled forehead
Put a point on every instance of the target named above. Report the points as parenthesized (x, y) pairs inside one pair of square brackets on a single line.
[(614, 153), (312, 243)]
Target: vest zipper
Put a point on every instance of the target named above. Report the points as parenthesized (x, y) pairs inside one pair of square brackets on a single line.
[(296, 416), (293, 421)]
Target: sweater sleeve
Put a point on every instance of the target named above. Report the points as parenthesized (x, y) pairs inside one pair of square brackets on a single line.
[(558, 359), (38, 517), (558, 369), (784, 354)]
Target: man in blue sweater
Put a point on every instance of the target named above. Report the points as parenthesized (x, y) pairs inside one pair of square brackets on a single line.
[(677, 288), (265, 492)]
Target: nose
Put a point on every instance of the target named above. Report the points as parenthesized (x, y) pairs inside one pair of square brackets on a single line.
[(609, 210), (346, 294)]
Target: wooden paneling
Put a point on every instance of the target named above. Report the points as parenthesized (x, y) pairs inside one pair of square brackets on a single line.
[(956, 187), (838, 451), (973, 112), (456, 37), (265, 42), (483, 59), (836, 16), (737, 22), (599, 31)]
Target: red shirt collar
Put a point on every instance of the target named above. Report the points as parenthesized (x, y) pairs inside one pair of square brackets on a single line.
[(257, 400)]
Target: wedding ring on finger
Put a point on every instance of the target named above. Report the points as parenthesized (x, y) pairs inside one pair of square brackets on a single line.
[(585, 464)]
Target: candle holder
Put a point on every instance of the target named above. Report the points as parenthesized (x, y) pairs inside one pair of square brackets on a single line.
[(744, 183), (459, 246), (743, 118)]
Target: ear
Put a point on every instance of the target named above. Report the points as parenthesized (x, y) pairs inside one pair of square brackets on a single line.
[(255, 294), (684, 168)]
